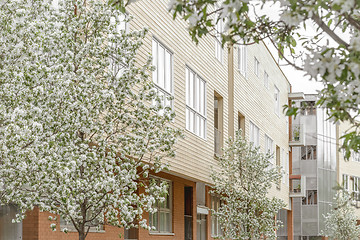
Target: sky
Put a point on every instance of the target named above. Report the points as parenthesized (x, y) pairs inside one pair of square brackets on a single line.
[(299, 82)]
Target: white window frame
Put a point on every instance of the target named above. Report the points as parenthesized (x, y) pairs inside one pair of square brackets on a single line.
[(163, 74), (254, 134), (161, 209), (266, 80), (242, 59), (215, 224), (256, 66), (195, 103), (277, 100)]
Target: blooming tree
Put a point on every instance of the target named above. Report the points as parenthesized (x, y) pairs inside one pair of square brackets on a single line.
[(242, 183), (320, 37), (81, 126), (340, 222)]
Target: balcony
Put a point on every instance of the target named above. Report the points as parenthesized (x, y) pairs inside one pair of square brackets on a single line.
[(217, 143), (297, 186), (297, 135)]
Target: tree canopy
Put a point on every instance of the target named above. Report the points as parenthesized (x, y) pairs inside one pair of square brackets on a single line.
[(242, 182), (81, 126)]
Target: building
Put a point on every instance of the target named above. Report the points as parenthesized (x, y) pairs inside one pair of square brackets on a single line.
[(216, 91), (317, 167)]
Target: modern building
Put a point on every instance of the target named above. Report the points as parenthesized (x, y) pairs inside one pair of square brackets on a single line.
[(317, 166)]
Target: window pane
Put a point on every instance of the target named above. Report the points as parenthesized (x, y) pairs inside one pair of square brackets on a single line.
[(192, 121), (161, 67), (187, 119), (191, 90), (168, 72)]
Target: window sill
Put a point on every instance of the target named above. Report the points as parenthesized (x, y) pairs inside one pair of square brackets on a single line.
[(162, 234)]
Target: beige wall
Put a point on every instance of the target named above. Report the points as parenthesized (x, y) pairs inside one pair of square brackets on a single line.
[(195, 155), (349, 167)]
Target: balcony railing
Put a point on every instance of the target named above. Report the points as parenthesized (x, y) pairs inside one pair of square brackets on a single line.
[(217, 143), (297, 137), (297, 186)]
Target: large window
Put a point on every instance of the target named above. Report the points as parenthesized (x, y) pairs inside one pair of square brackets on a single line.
[(242, 59), (218, 46), (311, 198), (277, 101), (195, 104), (254, 134), (215, 225), (308, 152), (162, 76), (162, 219)]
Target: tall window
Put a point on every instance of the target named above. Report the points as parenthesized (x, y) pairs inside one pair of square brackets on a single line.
[(218, 45), (162, 76), (161, 220), (277, 101), (254, 134), (269, 145), (256, 66), (266, 80), (215, 225), (242, 59), (345, 181), (308, 152), (195, 104), (356, 188)]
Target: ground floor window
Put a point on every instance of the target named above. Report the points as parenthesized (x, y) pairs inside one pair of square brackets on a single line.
[(215, 225), (161, 221)]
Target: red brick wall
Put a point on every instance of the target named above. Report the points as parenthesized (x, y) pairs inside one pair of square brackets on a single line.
[(36, 225)]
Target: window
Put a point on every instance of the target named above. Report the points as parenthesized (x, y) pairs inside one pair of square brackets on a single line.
[(195, 104), (345, 181), (269, 146), (277, 101), (266, 80), (218, 122), (254, 134), (215, 225), (241, 123), (162, 76), (308, 153), (162, 219), (356, 188), (355, 156), (311, 198), (307, 108), (256, 66), (218, 46), (242, 59)]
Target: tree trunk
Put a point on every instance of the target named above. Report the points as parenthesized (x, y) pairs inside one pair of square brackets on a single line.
[(81, 235)]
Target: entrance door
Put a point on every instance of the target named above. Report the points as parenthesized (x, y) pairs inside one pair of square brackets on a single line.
[(188, 212)]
